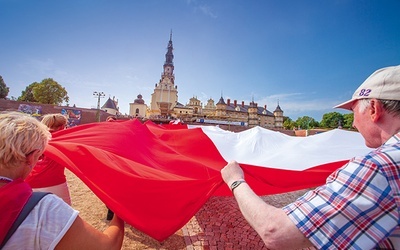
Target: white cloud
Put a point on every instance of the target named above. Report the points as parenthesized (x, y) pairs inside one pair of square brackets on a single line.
[(203, 8), (207, 11)]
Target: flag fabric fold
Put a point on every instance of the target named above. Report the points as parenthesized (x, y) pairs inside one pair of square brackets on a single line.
[(157, 177)]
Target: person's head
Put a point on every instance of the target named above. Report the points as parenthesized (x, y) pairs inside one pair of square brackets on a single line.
[(111, 119), (22, 141), (55, 122), (376, 105)]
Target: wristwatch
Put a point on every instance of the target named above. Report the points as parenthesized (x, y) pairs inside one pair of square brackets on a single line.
[(236, 184)]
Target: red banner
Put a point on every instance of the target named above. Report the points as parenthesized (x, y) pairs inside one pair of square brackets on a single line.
[(156, 178)]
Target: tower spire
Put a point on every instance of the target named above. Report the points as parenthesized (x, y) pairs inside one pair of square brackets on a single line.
[(165, 95), (169, 56)]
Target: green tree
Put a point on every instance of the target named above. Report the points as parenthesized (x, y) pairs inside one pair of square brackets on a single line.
[(3, 89), (306, 122), (49, 91), (27, 94), (348, 120), (288, 123), (332, 120)]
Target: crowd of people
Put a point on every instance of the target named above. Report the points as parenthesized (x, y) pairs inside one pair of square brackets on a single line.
[(48, 175), (23, 140), (357, 208)]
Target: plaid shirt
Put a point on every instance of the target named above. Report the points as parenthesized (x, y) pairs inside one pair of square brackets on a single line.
[(358, 207)]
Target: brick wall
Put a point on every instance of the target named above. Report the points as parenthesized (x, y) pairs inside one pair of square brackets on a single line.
[(88, 115)]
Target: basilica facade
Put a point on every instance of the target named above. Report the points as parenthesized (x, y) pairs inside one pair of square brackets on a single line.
[(165, 106)]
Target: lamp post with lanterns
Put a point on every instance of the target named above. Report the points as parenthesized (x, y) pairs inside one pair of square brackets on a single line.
[(98, 95)]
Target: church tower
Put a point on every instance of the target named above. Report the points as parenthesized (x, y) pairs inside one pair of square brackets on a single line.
[(278, 113), (165, 95)]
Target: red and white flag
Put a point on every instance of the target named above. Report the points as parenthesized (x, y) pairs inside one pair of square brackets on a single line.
[(157, 177)]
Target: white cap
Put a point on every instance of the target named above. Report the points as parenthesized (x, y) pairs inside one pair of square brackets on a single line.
[(383, 84)]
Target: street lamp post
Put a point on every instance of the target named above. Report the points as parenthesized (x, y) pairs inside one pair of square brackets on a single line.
[(308, 120), (98, 95)]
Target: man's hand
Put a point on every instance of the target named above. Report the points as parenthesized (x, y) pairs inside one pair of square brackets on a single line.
[(232, 172)]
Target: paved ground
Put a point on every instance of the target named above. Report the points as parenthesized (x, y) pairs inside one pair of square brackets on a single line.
[(217, 225), (220, 225)]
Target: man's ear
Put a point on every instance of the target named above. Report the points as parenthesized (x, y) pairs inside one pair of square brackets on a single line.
[(375, 109)]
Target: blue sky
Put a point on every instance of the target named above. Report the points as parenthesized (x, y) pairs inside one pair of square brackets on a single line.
[(308, 55)]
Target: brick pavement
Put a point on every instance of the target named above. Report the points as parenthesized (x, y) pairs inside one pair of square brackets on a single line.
[(220, 225)]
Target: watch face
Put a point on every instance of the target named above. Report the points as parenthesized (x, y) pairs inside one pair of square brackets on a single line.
[(235, 184)]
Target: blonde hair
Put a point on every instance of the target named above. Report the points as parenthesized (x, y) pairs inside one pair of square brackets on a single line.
[(20, 135), (54, 121)]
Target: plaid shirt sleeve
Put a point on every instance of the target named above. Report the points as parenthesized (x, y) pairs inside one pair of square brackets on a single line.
[(355, 209)]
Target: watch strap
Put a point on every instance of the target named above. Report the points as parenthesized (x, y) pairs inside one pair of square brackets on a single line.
[(236, 184)]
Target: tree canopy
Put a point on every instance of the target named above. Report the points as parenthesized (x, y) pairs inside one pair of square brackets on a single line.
[(332, 120), (47, 91), (27, 94), (329, 120), (289, 123), (348, 120), (306, 122), (3, 89)]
